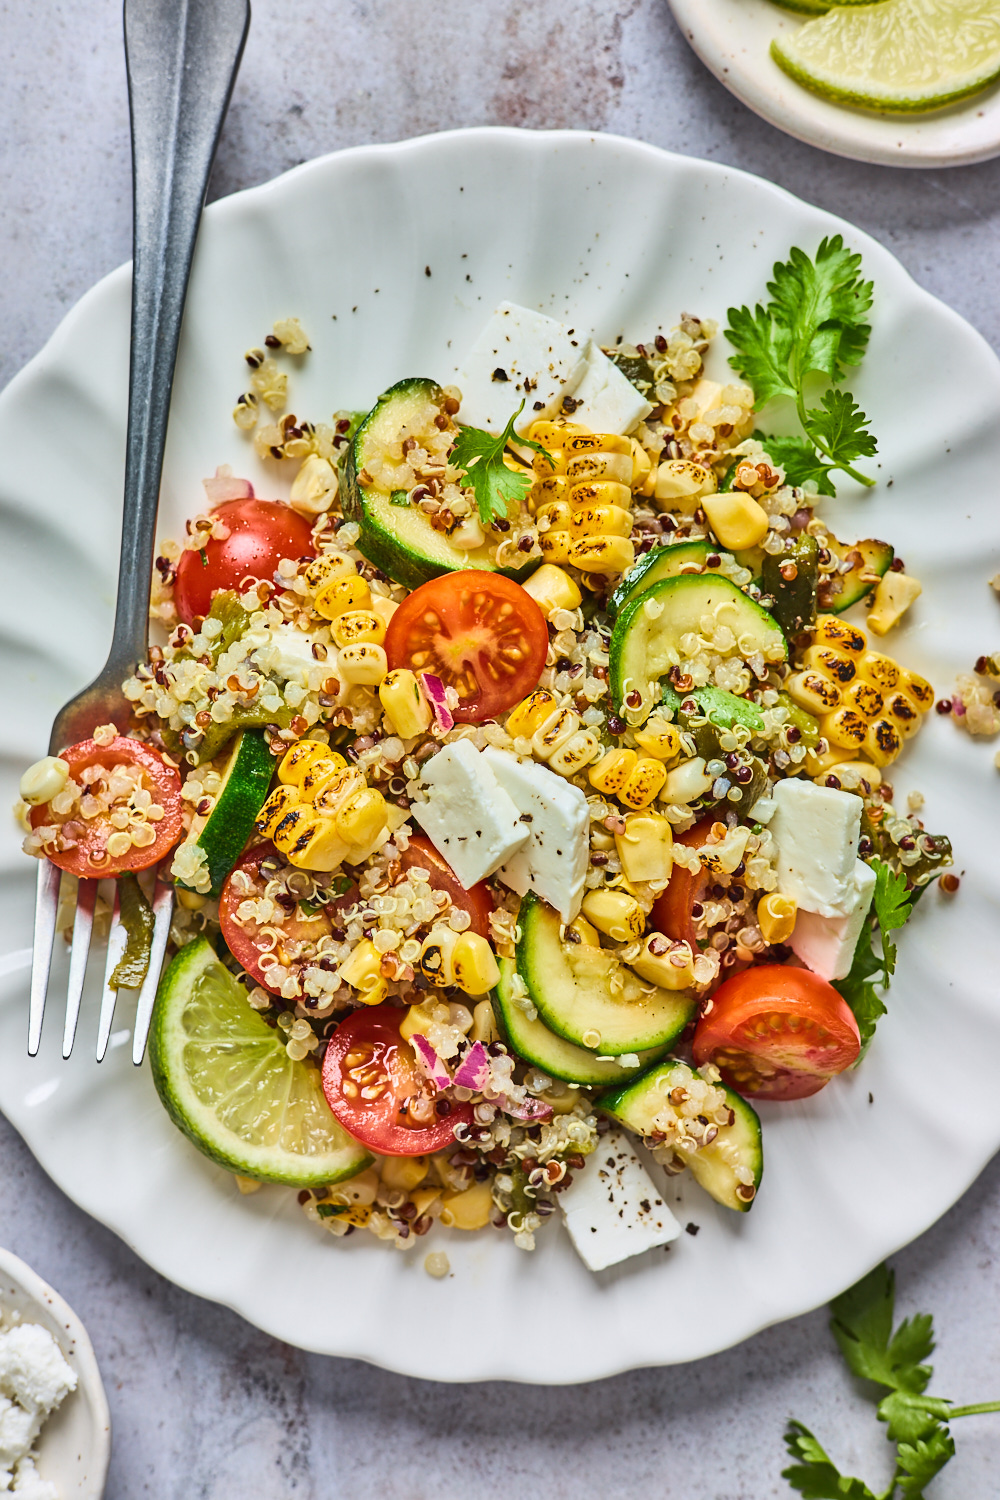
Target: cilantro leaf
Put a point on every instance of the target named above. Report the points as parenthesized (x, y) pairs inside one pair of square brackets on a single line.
[(918, 1463), (891, 908), (910, 1417), (799, 460), (479, 455), (862, 1325), (813, 326), (816, 1477)]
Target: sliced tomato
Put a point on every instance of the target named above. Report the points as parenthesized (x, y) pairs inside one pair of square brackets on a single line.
[(375, 1087), (300, 929), (480, 633), (87, 837), (477, 902), (676, 910), (261, 533), (777, 1032)]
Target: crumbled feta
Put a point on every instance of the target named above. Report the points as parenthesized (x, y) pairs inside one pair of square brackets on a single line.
[(827, 944), (287, 653), (467, 816), (553, 862), (520, 355), (816, 829), (613, 1208), (610, 402), (34, 1379)]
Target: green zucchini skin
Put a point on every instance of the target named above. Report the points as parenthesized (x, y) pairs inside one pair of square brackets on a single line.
[(876, 557), (245, 785), (569, 987), (399, 540), (661, 562), (635, 1106)]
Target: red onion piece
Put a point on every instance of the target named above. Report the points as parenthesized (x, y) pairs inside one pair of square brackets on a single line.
[(429, 1061), (227, 487), (434, 692), (474, 1068)]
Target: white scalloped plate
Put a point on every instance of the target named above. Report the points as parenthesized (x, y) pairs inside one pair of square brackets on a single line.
[(733, 39), (619, 237)]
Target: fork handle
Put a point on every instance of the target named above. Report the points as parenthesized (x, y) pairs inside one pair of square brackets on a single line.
[(182, 57)]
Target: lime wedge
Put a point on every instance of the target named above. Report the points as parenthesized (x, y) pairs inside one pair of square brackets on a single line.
[(901, 56), (819, 7), (225, 1078)]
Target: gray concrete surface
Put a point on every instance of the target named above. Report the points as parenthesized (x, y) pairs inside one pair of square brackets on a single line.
[(205, 1407)]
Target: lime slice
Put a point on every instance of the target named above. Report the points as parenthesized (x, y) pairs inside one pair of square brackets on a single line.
[(898, 55), (226, 1079), (245, 783), (819, 7)]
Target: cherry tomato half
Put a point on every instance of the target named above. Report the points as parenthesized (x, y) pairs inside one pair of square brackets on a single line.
[(261, 533), (673, 911), (88, 855), (300, 930), (477, 902), (481, 633), (376, 1090), (777, 1032)]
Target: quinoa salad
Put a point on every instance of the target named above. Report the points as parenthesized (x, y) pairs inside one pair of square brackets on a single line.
[(523, 779)]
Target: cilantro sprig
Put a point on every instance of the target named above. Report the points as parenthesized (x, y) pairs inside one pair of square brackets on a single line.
[(813, 326), (891, 1360), (891, 907), (479, 455)]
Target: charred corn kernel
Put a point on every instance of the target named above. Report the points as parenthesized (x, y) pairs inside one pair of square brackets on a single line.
[(615, 913), (474, 964), (280, 802), (578, 751), (601, 520), (602, 554), (832, 631), (314, 488), (644, 782), (531, 713), (641, 465), (595, 442), (600, 492), (362, 970), (546, 490), (681, 479), (417, 1019), (553, 435), (865, 699), (323, 772), (822, 765), (336, 791), (341, 595), (845, 726), (546, 465), (663, 963), (298, 823), (320, 847), (776, 917), (554, 732), (327, 568), (659, 739), (435, 959), (646, 848), (851, 774), (44, 780), (582, 931), (407, 709), (737, 520), (814, 691), (362, 816), (687, 782), (471, 1209), (919, 689), (552, 588), (612, 771), (615, 468), (484, 1024), (404, 1172), (358, 626), (557, 513), (366, 665), (190, 900), (893, 597), (881, 671), (423, 1197), (837, 665), (296, 761), (882, 742), (556, 546)]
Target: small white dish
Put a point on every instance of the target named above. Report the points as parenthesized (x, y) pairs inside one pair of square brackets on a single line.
[(733, 40), (75, 1444)]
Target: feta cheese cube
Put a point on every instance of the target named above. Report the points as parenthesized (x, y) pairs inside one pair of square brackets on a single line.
[(610, 402), (18, 1430), (816, 829), (467, 816), (613, 1208), (520, 355), (29, 1484), (33, 1371), (827, 944), (287, 653), (553, 862)]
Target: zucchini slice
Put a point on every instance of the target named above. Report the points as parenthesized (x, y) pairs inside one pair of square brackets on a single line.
[(395, 535), (570, 987), (645, 642), (661, 562), (641, 1105), (533, 1041), (245, 783), (871, 561)]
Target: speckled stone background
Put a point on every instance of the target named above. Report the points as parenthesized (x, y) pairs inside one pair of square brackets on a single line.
[(204, 1407)]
